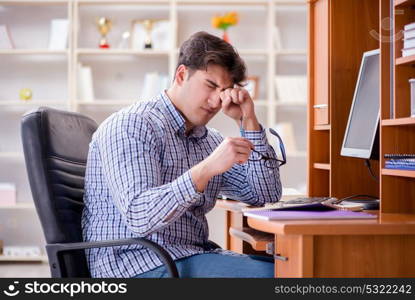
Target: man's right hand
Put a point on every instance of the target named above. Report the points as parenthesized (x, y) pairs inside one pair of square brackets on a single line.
[(231, 151)]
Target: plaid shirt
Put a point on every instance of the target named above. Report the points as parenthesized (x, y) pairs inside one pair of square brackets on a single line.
[(138, 184)]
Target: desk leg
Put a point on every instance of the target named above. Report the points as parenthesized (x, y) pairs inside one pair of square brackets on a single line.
[(298, 249)]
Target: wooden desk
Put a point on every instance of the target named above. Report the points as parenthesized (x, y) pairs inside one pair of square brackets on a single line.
[(383, 247)]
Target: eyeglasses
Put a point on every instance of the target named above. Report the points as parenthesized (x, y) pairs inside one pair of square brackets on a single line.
[(270, 162)]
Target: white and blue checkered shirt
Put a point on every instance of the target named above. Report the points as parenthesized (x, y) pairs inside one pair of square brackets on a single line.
[(138, 184)]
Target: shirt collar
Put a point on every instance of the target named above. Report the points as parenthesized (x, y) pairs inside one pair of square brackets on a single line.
[(178, 122)]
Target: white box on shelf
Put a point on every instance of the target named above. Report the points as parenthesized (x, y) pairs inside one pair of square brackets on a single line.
[(291, 88), (21, 251), (85, 84), (58, 34), (6, 41), (7, 193), (412, 83)]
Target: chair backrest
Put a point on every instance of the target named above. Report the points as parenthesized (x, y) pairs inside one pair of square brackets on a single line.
[(55, 145)]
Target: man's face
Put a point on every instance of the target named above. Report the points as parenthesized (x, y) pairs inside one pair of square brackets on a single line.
[(199, 94)]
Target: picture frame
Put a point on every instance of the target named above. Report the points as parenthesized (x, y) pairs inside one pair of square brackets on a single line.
[(158, 35), (252, 86)]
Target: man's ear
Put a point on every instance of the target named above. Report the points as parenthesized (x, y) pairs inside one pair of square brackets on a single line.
[(181, 74)]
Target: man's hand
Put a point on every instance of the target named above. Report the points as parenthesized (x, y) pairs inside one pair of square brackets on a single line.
[(231, 151), (237, 104)]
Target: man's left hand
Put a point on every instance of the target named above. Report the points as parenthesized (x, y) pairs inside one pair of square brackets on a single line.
[(237, 104)]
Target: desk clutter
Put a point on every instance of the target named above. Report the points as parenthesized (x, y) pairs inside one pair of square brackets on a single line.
[(309, 208)]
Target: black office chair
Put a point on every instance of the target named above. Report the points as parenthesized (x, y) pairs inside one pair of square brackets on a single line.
[(55, 145)]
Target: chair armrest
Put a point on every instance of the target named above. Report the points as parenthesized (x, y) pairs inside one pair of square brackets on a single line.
[(54, 250)]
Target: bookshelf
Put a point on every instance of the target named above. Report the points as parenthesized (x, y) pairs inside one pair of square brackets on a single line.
[(118, 73), (330, 174)]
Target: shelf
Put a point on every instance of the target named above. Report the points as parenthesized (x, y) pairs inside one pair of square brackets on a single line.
[(322, 127), (224, 2), (33, 51), (42, 258), (261, 52), (28, 205), (116, 2), (299, 154), (322, 166), (107, 102), (122, 52), (401, 173), (407, 60), (403, 3), (291, 52), (32, 102), (398, 122), (31, 2), (11, 155), (295, 103)]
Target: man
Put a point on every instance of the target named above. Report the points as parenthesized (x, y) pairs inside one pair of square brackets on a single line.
[(154, 170)]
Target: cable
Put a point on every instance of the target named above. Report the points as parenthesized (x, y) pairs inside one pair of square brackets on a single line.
[(359, 196), (367, 164)]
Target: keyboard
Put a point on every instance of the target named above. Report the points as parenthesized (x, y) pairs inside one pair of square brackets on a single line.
[(306, 200)]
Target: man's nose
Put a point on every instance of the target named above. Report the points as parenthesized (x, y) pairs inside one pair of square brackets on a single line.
[(214, 101)]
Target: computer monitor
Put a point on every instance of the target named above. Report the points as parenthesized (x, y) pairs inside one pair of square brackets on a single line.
[(361, 138)]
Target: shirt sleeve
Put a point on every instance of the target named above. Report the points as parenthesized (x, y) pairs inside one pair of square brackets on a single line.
[(129, 156), (252, 182)]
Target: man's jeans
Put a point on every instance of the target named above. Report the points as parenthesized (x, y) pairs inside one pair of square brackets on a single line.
[(213, 265)]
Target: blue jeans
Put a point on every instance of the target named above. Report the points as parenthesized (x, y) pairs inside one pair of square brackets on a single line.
[(213, 265)]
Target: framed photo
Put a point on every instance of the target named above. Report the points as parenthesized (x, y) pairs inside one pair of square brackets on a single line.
[(150, 34), (252, 86)]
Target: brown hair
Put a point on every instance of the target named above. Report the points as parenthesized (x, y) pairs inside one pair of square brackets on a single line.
[(203, 49)]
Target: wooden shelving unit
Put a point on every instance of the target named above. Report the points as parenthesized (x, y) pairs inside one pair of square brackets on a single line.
[(334, 86), (336, 46)]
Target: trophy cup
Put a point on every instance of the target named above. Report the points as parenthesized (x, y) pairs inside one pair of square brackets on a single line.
[(148, 25), (104, 26)]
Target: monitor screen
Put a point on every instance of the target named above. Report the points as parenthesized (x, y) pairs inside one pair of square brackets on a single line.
[(362, 128)]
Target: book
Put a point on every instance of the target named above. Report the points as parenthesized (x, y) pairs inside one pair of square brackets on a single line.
[(409, 34), (301, 215), (409, 26), (408, 52), (85, 83), (409, 43), (154, 83), (6, 41), (399, 156), (58, 34)]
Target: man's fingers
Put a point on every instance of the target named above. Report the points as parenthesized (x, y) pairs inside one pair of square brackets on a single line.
[(242, 158), (242, 141), (243, 150)]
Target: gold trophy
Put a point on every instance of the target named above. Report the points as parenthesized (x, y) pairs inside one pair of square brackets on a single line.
[(148, 25), (104, 26)]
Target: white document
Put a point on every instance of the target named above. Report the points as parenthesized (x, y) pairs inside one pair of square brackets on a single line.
[(58, 38), (85, 84), (6, 41)]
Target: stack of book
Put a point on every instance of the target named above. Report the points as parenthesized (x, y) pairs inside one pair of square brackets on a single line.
[(409, 40), (400, 161)]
